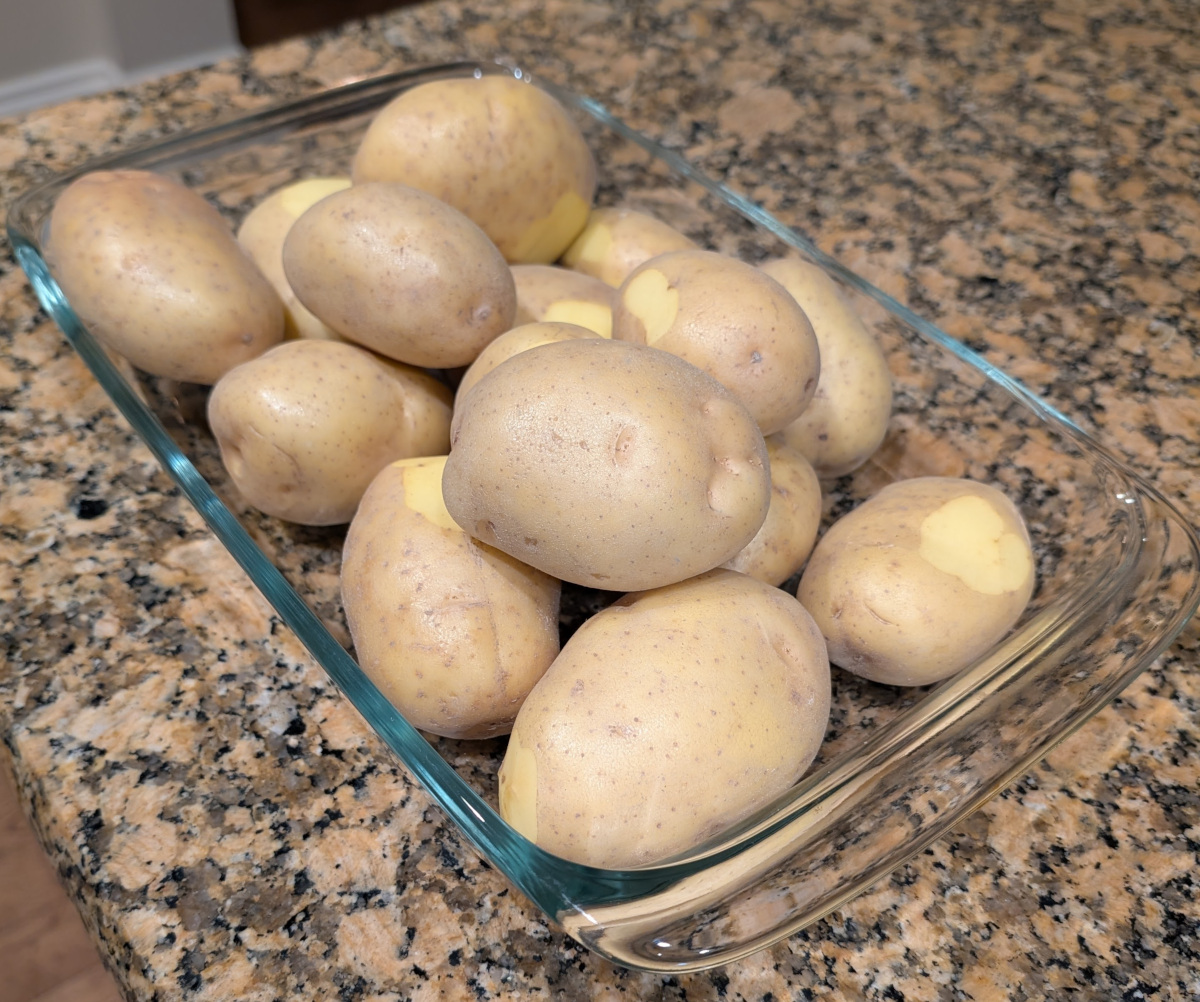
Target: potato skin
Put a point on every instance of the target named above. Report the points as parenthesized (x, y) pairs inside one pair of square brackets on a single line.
[(454, 633), (786, 538), (847, 418), (888, 612), (607, 464), (667, 717), (729, 319), (498, 149), (262, 233), (514, 342), (395, 270), (304, 428), (615, 241), (156, 274)]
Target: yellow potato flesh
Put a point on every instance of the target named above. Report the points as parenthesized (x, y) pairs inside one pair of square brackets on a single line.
[(970, 539), (298, 198), (615, 241), (546, 237), (553, 294), (592, 316), (650, 297), (421, 478)]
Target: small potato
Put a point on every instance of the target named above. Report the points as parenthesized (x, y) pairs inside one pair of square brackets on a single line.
[(547, 293), (607, 464), (397, 271), (920, 580), (615, 241), (514, 342), (666, 718), (786, 538), (156, 274), (729, 319), (848, 416), (500, 150), (453, 632), (304, 428), (262, 234)]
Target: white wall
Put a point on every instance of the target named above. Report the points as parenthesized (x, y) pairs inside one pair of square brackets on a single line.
[(52, 50)]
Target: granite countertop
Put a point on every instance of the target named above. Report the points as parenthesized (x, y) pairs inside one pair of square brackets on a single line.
[(1026, 174)]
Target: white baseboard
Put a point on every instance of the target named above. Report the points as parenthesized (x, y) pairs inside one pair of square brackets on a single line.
[(59, 83), (90, 76)]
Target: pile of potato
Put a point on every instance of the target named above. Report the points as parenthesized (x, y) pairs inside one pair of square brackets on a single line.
[(644, 417)]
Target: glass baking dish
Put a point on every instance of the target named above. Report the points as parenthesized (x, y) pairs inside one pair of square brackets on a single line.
[(1118, 568)]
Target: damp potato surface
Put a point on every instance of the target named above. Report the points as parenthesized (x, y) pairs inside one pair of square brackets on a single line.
[(667, 717), (454, 632), (607, 464), (503, 152), (157, 275), (305, 427)]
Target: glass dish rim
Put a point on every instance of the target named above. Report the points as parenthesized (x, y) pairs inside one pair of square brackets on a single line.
[(552, 883)]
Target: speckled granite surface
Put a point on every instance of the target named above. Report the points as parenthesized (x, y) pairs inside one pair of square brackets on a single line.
[(1027, 174)]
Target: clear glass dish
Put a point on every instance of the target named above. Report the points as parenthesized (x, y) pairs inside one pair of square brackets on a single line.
[(1118, 570)]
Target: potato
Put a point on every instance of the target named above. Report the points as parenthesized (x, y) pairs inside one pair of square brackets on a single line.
[(454, 633), (732, 321), (786, 538), (500, 150), (607, 464), (397, 271), (304, 428), (262, 234), (919, 580), (514, 342), (848, 416), (546, 293), (156, 274), (667, 717), (615, 241)]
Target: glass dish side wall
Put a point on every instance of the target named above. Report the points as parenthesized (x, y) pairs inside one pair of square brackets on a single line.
[(898, 767)]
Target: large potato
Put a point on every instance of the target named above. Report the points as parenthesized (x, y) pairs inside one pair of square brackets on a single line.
[(786, 538), (156, 274), (615, 241), (729, 319), (558, 295), (500, 150), (607, 464), (667, 717), (304, 428), (514, 342), (919, 580), (397, 271), (262, 234), (453, 632), (848, 416)]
